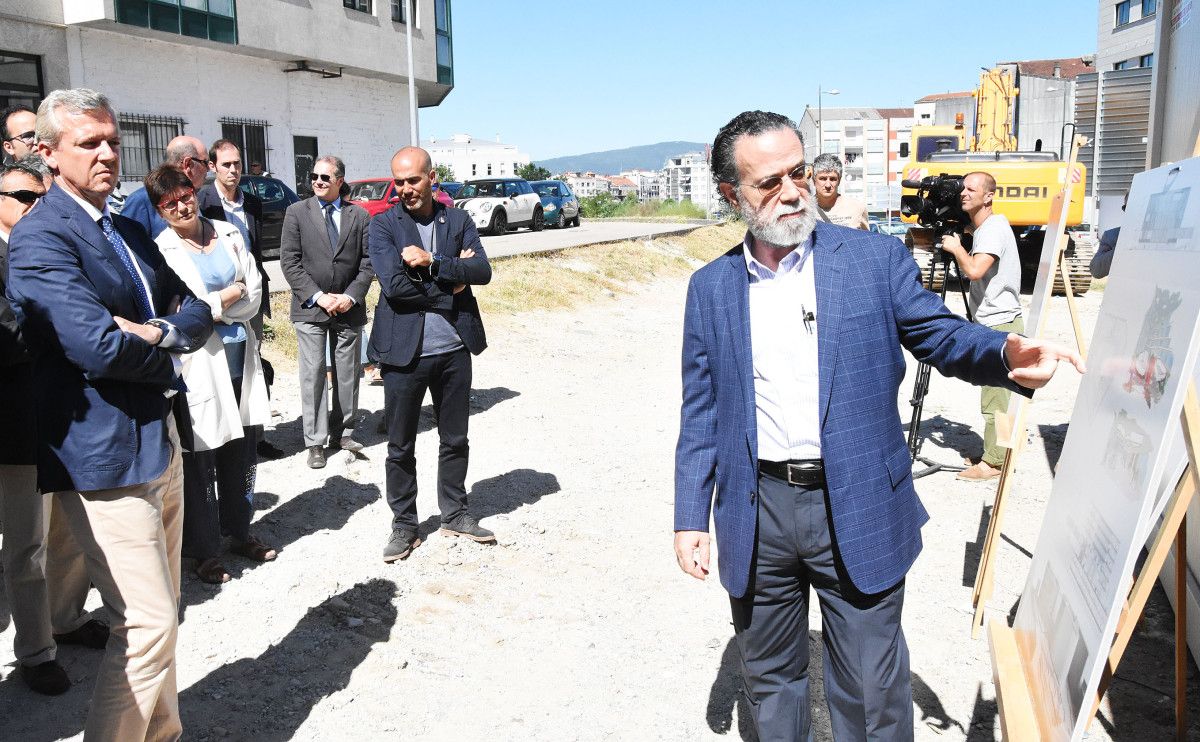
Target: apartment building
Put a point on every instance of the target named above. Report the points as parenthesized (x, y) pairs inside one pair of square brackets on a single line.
[(587, 184), (868, 142), (286, 80), (470, 157), (688, 177), (648, 184)]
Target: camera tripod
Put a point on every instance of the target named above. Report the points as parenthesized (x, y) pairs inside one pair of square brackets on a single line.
[(924, 370)]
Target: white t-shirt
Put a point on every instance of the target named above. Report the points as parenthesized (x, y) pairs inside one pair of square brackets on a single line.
[(995, 299)]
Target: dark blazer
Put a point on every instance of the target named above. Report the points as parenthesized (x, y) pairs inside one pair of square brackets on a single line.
[(18, 435), (870, 302), (400, 316), (309, 265), (209, 202), (101, 409)]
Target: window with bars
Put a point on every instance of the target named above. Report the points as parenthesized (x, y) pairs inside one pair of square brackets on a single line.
[(144, 142), (215, 20), (250, 136), (362, 6)]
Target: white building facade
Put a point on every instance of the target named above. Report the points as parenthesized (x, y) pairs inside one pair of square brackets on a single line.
[(688, 177), (471, 158), (587, 184), (648, 182), (287, 81), (868, 142)]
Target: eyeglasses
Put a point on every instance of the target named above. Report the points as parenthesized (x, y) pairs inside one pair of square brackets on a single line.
[(772, 185), (29, 198), (202, 160), (173, 204), (27, 137), (314, 177)]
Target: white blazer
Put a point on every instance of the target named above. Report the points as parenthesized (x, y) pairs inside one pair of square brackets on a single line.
[(216, 416)]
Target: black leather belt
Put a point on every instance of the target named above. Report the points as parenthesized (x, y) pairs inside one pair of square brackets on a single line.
[(802, 472)]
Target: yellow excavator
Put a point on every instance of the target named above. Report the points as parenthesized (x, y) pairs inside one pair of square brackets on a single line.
[(1027, 182)]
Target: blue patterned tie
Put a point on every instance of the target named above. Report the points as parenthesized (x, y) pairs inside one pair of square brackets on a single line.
[(118, 246), (331, 227)]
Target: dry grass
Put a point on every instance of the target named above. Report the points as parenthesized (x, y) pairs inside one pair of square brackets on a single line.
[(554, 281)]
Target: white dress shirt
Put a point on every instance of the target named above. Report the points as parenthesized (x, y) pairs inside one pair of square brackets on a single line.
[(235, 214), (784, 348)]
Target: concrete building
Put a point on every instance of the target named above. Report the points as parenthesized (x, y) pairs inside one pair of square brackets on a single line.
[(285, 80), (941, 109), (1113, 103), (868, 142), (586, 184), (622, 187), (688, 177), (648, 184), (472, 158)]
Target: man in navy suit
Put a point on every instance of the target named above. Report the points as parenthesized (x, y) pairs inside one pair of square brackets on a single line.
[(427, 327), (790, 436), (105, 320)]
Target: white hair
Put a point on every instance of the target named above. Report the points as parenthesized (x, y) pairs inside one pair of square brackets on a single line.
[(72, 100)]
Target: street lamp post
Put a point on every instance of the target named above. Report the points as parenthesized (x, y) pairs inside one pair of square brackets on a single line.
[(821, 134)]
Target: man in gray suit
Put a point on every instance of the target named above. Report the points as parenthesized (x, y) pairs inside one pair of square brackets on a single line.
[(323, 254)]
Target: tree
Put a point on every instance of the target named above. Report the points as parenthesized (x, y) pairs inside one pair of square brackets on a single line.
[(533, 171), (444, 173)]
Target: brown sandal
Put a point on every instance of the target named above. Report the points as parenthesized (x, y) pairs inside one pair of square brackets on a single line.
[(212, 571), (255, 550)]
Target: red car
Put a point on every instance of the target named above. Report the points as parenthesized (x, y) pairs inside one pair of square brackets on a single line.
[(377, 195)]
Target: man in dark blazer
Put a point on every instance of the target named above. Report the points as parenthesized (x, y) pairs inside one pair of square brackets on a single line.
[(105, 318), (323, 254), (224, 200), (791, 439), (427, 326)]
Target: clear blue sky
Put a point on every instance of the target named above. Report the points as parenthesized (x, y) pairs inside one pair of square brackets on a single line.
[(563, 77)]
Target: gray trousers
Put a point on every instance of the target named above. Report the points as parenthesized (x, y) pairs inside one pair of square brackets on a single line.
[(342, 340), (867, 685)]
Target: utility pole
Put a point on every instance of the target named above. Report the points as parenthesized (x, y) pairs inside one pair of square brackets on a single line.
[(410, 11)]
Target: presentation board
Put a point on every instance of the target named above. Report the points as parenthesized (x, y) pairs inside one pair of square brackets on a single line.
[(1117, 448)]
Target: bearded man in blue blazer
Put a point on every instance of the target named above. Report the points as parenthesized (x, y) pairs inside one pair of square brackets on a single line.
[(790, 437), (105, 320)]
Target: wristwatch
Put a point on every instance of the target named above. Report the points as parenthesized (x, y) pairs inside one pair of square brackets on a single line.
[(164, 327)]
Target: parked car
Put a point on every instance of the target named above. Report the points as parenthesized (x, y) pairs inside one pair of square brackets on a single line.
[(377, 195), (451, 188), (560, 208), (892, 228), (499, 204), (276, 197)]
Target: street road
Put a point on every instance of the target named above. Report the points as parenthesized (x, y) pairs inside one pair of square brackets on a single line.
[(524, 241)]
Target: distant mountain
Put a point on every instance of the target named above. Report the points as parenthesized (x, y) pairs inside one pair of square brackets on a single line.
[(645, 157)]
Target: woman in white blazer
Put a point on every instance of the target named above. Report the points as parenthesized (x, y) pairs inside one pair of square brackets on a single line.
[(226, 392)]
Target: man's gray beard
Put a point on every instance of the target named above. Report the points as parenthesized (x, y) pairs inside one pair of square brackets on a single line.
[(770, 229)]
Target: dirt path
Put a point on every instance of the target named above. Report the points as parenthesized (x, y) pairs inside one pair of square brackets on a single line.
[(578, 625)]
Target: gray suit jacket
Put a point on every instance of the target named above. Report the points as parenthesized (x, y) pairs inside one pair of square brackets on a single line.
[(309, 265)]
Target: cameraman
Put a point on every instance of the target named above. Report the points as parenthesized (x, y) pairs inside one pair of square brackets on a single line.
[(994, 270)]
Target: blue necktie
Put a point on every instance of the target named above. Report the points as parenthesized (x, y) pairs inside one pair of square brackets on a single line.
[(331, 227), (118, 246)]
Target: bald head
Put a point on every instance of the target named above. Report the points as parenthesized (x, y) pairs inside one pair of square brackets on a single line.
[(412, 170), (188, 154)]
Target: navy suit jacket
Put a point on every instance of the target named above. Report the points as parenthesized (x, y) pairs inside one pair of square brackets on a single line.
[(400, 317), (101, 412), (138, 208), (870, 302)]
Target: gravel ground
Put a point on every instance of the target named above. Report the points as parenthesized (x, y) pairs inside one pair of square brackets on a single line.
[(578, 624)]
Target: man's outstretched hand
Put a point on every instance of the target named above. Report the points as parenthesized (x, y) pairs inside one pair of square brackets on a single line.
[(687, 543), (1032, 362)]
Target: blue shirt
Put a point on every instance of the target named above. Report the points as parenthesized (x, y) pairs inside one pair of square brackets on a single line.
[(218, 271), (138, 208)]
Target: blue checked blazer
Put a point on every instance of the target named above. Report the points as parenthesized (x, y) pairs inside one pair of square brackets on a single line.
[(869, 302)]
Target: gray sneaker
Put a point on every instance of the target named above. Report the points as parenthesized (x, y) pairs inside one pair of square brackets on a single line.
[(466, 526), (400, 545)]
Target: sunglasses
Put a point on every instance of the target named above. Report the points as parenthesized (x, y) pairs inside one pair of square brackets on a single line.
[(770, 186), (27, 137), (314, 177), (174, 203), (29, 198), (202, 160)]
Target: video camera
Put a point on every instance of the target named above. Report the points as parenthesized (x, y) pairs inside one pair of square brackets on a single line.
[(937, 204)]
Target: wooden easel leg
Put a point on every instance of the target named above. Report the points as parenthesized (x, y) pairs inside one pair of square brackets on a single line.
[(1080, 342), (1181, 646)]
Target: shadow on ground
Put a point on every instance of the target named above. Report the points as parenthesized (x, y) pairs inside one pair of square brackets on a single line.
[(946, 433), (500, 495), (280, 687), (1053, 437)]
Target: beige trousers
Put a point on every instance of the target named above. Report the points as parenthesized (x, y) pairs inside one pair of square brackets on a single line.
[(44, 570), (131, 538)]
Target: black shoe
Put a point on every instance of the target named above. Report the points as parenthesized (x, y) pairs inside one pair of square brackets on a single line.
[(466, 526), (48, 678), (400, 545), (93, 634), (269, 452), (316, 457)]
